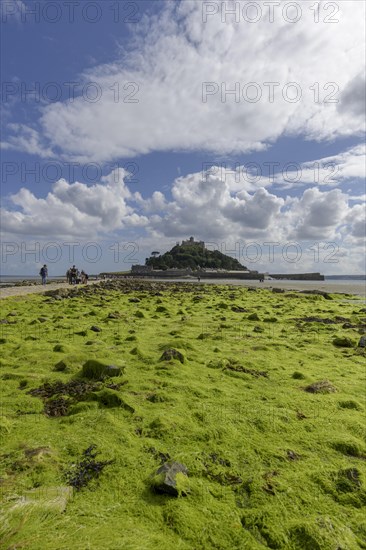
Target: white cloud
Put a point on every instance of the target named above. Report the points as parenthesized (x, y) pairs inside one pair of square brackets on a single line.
[(317, 215), (203, 205), (73, 210), (27, 140), (175, 52), (348, 166)]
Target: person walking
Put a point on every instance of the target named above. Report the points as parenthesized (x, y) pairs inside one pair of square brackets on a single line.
[(44, 274)]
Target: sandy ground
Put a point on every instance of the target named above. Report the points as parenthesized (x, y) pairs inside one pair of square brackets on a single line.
[(358, 288), (37, 289)]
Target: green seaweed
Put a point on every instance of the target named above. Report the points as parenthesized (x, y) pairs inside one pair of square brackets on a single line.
[(270, 465)]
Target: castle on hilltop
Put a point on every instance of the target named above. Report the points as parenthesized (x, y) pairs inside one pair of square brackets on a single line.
[(192, 242)]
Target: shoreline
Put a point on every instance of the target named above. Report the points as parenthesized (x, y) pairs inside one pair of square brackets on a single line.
[(357, 289)]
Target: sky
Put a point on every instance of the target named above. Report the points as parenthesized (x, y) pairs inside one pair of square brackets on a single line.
[(129, 126)]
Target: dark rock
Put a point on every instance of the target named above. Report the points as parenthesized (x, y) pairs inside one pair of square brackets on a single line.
[(291, 455), (60, 366), (171, 478), (343, 342), (134, 300), (362, 342), (238, 309), (349, 480), (172, 353), (60, 292), (112, 370), (42, 319), (113, 316), (59, 348), (324, 320), (97, 370), (253, 317), (278, 290), (94, 328), (323, 386), (318, 292)]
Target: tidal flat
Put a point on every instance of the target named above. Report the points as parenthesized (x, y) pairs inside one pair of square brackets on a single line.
[(260, 394)]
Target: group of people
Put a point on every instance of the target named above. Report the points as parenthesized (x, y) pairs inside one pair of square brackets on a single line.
[(75, 277)]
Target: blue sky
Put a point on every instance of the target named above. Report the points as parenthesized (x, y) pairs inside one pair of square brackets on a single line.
[(161, 70)]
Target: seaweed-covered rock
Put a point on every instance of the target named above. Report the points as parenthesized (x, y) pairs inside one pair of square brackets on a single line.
[(343, 342), (323, 386), (172, 353), (108, 398), (362, 342), (113, 315), (59, 348), (58, 292), (97, 370), (94, 328), (253, 317), (60, 366), (171, 478)]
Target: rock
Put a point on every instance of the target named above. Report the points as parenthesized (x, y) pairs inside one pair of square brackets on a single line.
[(60, 366), (42, 319), (112, 371), (238, 309), (108, 398), (59, 348), (278, 290), (113, 316), (96, 370), (60, 292), (171, 479), (134, 300), (172, 353), (291, 455), (161, 309), (362, 342), (94, 328), (253, 317), (318, 292), (323, 386), (343, 342)]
